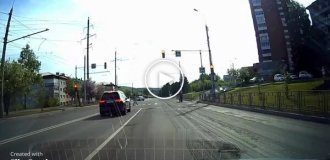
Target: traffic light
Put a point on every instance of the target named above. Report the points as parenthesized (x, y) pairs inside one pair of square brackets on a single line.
[(105, 65), (75, 87), (177, 53), (163, 54)]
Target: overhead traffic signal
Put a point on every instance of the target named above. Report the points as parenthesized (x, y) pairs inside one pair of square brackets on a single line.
[(75, 87), (163, 54)]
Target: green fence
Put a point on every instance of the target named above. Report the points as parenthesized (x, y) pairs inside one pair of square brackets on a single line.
[(306, 102)]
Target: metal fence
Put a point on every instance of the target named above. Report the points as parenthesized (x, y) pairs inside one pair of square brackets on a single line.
[(305, 102)]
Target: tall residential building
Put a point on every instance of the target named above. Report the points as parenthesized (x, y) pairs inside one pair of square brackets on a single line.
[(55, 85), (320, 15), (272, 35)]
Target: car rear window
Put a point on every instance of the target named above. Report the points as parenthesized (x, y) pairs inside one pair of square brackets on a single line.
[(109, 96)]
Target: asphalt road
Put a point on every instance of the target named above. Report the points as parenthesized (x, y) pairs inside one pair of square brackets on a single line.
[(162, 130)]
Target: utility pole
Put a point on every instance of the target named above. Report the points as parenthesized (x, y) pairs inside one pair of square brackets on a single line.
[(76, 72), (87, 49), (85, 80), (3, 63), (115, 68), (211, 63), (132, 91), (200, 56)]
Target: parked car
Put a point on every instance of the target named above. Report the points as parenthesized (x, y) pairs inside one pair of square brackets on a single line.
[(114, 103), (305, 74), (140, 98), (255, 79), (293, 76), (278, 77)]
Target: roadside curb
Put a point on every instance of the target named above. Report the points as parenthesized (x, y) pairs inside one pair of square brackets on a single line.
[(60, 109), (323, 120)]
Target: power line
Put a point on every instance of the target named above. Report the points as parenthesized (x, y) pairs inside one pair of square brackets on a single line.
[(36, 19), (23, 24), (55, 40), (4, 13)]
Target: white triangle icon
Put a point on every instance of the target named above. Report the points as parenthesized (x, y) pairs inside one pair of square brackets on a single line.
[(164, 78)]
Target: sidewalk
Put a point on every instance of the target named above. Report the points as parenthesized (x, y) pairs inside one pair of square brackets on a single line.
[(325, 120), (33, 111)]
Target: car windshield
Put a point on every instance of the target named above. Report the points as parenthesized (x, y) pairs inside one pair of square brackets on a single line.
[(110, 96), (164, 79)]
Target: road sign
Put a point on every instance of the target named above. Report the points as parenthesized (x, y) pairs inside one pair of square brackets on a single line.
[(93, 65), (177, 53), (201, 70)]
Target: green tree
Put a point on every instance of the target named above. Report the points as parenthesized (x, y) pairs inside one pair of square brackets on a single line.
[(245, 74), (307, 42), (234, 74), (13, 78), (31, 66)]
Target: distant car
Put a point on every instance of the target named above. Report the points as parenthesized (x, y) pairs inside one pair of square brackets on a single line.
[(224, 89), (305, 74), (293, 76), (114, 103), (140, 98), (278, 77), (255, 79)]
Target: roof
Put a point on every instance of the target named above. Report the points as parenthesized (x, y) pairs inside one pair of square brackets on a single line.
[(112, 91), (48, 75)]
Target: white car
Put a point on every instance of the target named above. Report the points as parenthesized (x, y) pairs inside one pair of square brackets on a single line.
[(304, 74), (278, 77), (293, 76), (255, 79)]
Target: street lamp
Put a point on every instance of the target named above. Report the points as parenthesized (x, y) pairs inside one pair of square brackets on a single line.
[(210, 56)]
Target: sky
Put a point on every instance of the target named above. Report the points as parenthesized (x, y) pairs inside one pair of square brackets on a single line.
[(137, 31)]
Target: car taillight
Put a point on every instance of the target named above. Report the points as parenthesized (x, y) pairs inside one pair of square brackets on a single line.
[(118, 100), (101, 101)]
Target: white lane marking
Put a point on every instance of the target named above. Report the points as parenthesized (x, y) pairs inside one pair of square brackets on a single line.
[(44, 129), (90, 156)]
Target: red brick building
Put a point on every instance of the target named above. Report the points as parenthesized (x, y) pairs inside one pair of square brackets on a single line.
[(272, 36)]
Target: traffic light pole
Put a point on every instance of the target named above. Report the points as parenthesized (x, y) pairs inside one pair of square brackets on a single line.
[(211, 63)]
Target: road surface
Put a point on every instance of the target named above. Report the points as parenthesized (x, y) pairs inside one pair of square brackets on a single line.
[(162, 130)]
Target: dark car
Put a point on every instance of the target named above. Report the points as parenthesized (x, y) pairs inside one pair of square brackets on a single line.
[(140, 98), (114, 103)]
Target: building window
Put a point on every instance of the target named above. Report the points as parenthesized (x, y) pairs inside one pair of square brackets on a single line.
[(286, 31), (280, 8), (256, 2), (258, 11), (286, 36), (266, 54), (264, 41), (267, 61), (282, 13), (260, 18)]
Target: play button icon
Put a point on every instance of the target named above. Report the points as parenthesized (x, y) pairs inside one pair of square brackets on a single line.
[(161, 74), (164, 78)]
